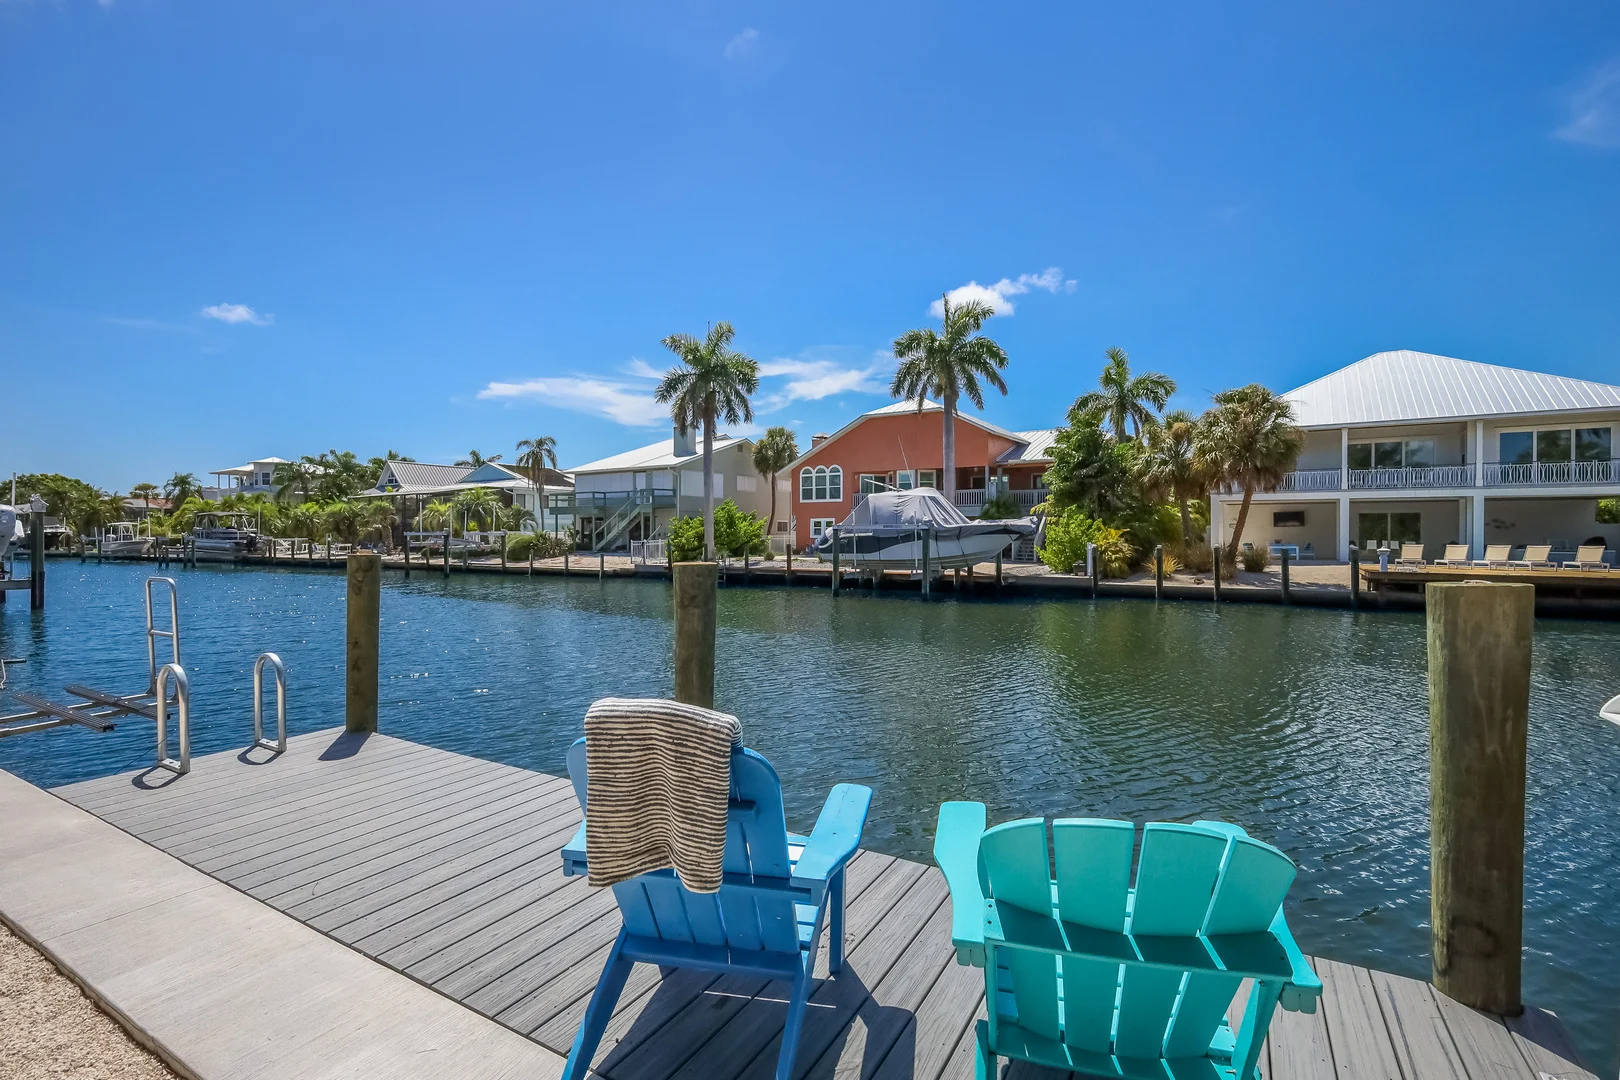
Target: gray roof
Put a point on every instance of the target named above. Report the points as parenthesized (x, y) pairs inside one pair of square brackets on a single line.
[(1403, 386), (420, 474), (422, 478), (658, 455), (1033, 446)]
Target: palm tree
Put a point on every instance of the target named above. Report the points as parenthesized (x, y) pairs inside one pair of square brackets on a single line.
[(513, 518), (378, 516), (534, 456), (713, 382), (1168, 465), (146, 493), (775, 451), (437, 516), (1124, 397), (948, 365), (1248, 439), (474, 459), (476, 504), (180, 487), (296, 478)]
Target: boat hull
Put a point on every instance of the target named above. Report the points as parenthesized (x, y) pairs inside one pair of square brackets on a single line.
[(126, 549), (946, 550)]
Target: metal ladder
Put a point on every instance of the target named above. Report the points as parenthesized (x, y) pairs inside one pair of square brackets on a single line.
[(259, 741), (153, 633)]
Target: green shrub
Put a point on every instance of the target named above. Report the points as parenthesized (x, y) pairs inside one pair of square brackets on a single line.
[(1000, 508), (1608, 512), (1255, 559), (686, 539), (736, 532), (542, 545), (1068, 533), (1194, 557)]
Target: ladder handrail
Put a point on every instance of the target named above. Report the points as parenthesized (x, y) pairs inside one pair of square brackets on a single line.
[(280, 745), (182, 697), (152, 633)]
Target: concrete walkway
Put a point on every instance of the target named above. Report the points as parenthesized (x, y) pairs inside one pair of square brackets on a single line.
[(217, 983)]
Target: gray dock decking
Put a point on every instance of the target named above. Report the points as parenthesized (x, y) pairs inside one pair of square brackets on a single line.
[(446, 868)]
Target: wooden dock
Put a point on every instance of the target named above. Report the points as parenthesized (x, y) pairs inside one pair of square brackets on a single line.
[(446, 868)]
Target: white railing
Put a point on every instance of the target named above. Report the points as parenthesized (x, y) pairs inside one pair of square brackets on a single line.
[(649, 551), (1027, 498), (1499, 473), (1423, 476), (1311, 480)]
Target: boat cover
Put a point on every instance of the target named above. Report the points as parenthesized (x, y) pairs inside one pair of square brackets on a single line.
[(922, 508)]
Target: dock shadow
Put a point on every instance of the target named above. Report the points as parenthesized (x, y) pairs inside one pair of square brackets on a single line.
[(144, 779), (345, 745), (246, 759)]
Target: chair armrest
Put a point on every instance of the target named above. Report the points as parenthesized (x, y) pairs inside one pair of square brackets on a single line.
[(956, 850), (1303, 986), (834, 839), (573, 853)]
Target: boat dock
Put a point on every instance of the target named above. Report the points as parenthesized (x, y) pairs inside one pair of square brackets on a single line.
[(444, 869)]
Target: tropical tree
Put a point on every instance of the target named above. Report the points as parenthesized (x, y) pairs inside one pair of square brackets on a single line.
[(949, 364), (340, 475), (343, 518), (144, 492), (774, 451), (712, 383), (1168, 465), (513, 518), (534, 457), (306, 520), (1125, 398), (180, 487), (474, 459), (478, 504), (1091, 470), (1249, 440), (377, 518), (296, 478), (437, 516)]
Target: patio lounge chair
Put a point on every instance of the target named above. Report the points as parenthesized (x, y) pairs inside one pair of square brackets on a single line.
[(1496, 556), (1587, 557), (1147, 973), (1411, 556), (1456, 555), (1535, 558), (766, 921)]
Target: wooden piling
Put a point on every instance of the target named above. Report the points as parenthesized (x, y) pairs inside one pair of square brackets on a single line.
[(1355, 578), (835, 574), (363, 625), (1158, 571), (503, 553), (407, 554), (1283, 555), (790, 560), (1091, 568), (695, 599), (601, 565), (927, 570), (36, 561), (1215, 573), (1479, 708), (447, 553), (998, 573)]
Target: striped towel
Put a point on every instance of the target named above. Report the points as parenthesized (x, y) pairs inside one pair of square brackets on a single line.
[(658, 778)]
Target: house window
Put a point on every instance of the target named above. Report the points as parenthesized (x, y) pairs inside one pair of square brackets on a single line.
[(1592, 444), (871, 483), (1555, 444), (1516, 447), (820, 525), (906, 479), (821, 484), (1389, 528), (1392, 454)]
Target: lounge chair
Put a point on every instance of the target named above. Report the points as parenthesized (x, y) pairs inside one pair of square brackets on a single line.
[(1411, 556), (1535, 558), (1147, 973), (765, 921), (1496, 556), (1587, 557), (1456, 555)]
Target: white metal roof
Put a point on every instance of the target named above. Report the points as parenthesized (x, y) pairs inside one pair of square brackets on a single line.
[(658, 455), (1033, 446), (250, 468), (1403, 386)]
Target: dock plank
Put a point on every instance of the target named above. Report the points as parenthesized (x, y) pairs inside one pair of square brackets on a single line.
[(445, 868)]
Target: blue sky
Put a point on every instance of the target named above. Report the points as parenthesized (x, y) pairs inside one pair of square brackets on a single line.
[(234, 230)]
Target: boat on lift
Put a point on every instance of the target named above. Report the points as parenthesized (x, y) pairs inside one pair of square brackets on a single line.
[(224, 535), (11, 533), (886, 531), (123, 540)]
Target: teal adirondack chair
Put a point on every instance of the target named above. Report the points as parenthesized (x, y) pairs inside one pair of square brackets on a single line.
[(1089, 974), (776, 895)]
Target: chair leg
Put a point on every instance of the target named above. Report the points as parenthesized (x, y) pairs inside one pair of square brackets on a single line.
[(794, 1027), (1251, 1039), (599, 1012), (835, 933), (985, 1061)]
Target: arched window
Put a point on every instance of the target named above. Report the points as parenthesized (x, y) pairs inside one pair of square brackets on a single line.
[(822, 483)]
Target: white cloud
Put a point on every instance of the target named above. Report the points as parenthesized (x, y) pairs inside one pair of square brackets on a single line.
[(810, 379), (997, 296), (641, 369), (743, 44), (622, 403), (237, 313), (1594, 109)]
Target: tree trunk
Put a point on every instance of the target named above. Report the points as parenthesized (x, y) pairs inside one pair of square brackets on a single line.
[(770, 526), (708, 477), (1237, 528), (949, 441), (1186, 521)]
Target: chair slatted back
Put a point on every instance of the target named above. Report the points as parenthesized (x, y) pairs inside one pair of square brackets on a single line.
[(1192, 881), (1537, 552), (1456, 553), (1589, 553), (1411, 551), (1497, 552), (756, 844)]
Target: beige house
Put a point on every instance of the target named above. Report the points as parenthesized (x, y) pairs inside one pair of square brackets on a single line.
[(1409, 447), (634, 495)]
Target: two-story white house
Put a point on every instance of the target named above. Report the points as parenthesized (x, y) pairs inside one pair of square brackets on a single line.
[(255, 478), (1416, 448)]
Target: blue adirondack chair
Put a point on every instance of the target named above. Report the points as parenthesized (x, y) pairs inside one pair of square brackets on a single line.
[(1089, 974), (766, 920)]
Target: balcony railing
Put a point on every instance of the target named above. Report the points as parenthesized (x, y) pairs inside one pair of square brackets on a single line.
[(595, 503), (1501, 473), (1422, 476), (1027, 498)]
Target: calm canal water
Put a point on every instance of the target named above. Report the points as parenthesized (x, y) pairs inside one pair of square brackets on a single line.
[(1309, 728)]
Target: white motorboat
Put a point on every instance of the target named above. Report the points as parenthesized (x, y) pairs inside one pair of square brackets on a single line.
[(123, 539), (11, 532), (888, 529), (224, 536), (1611, 710)]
